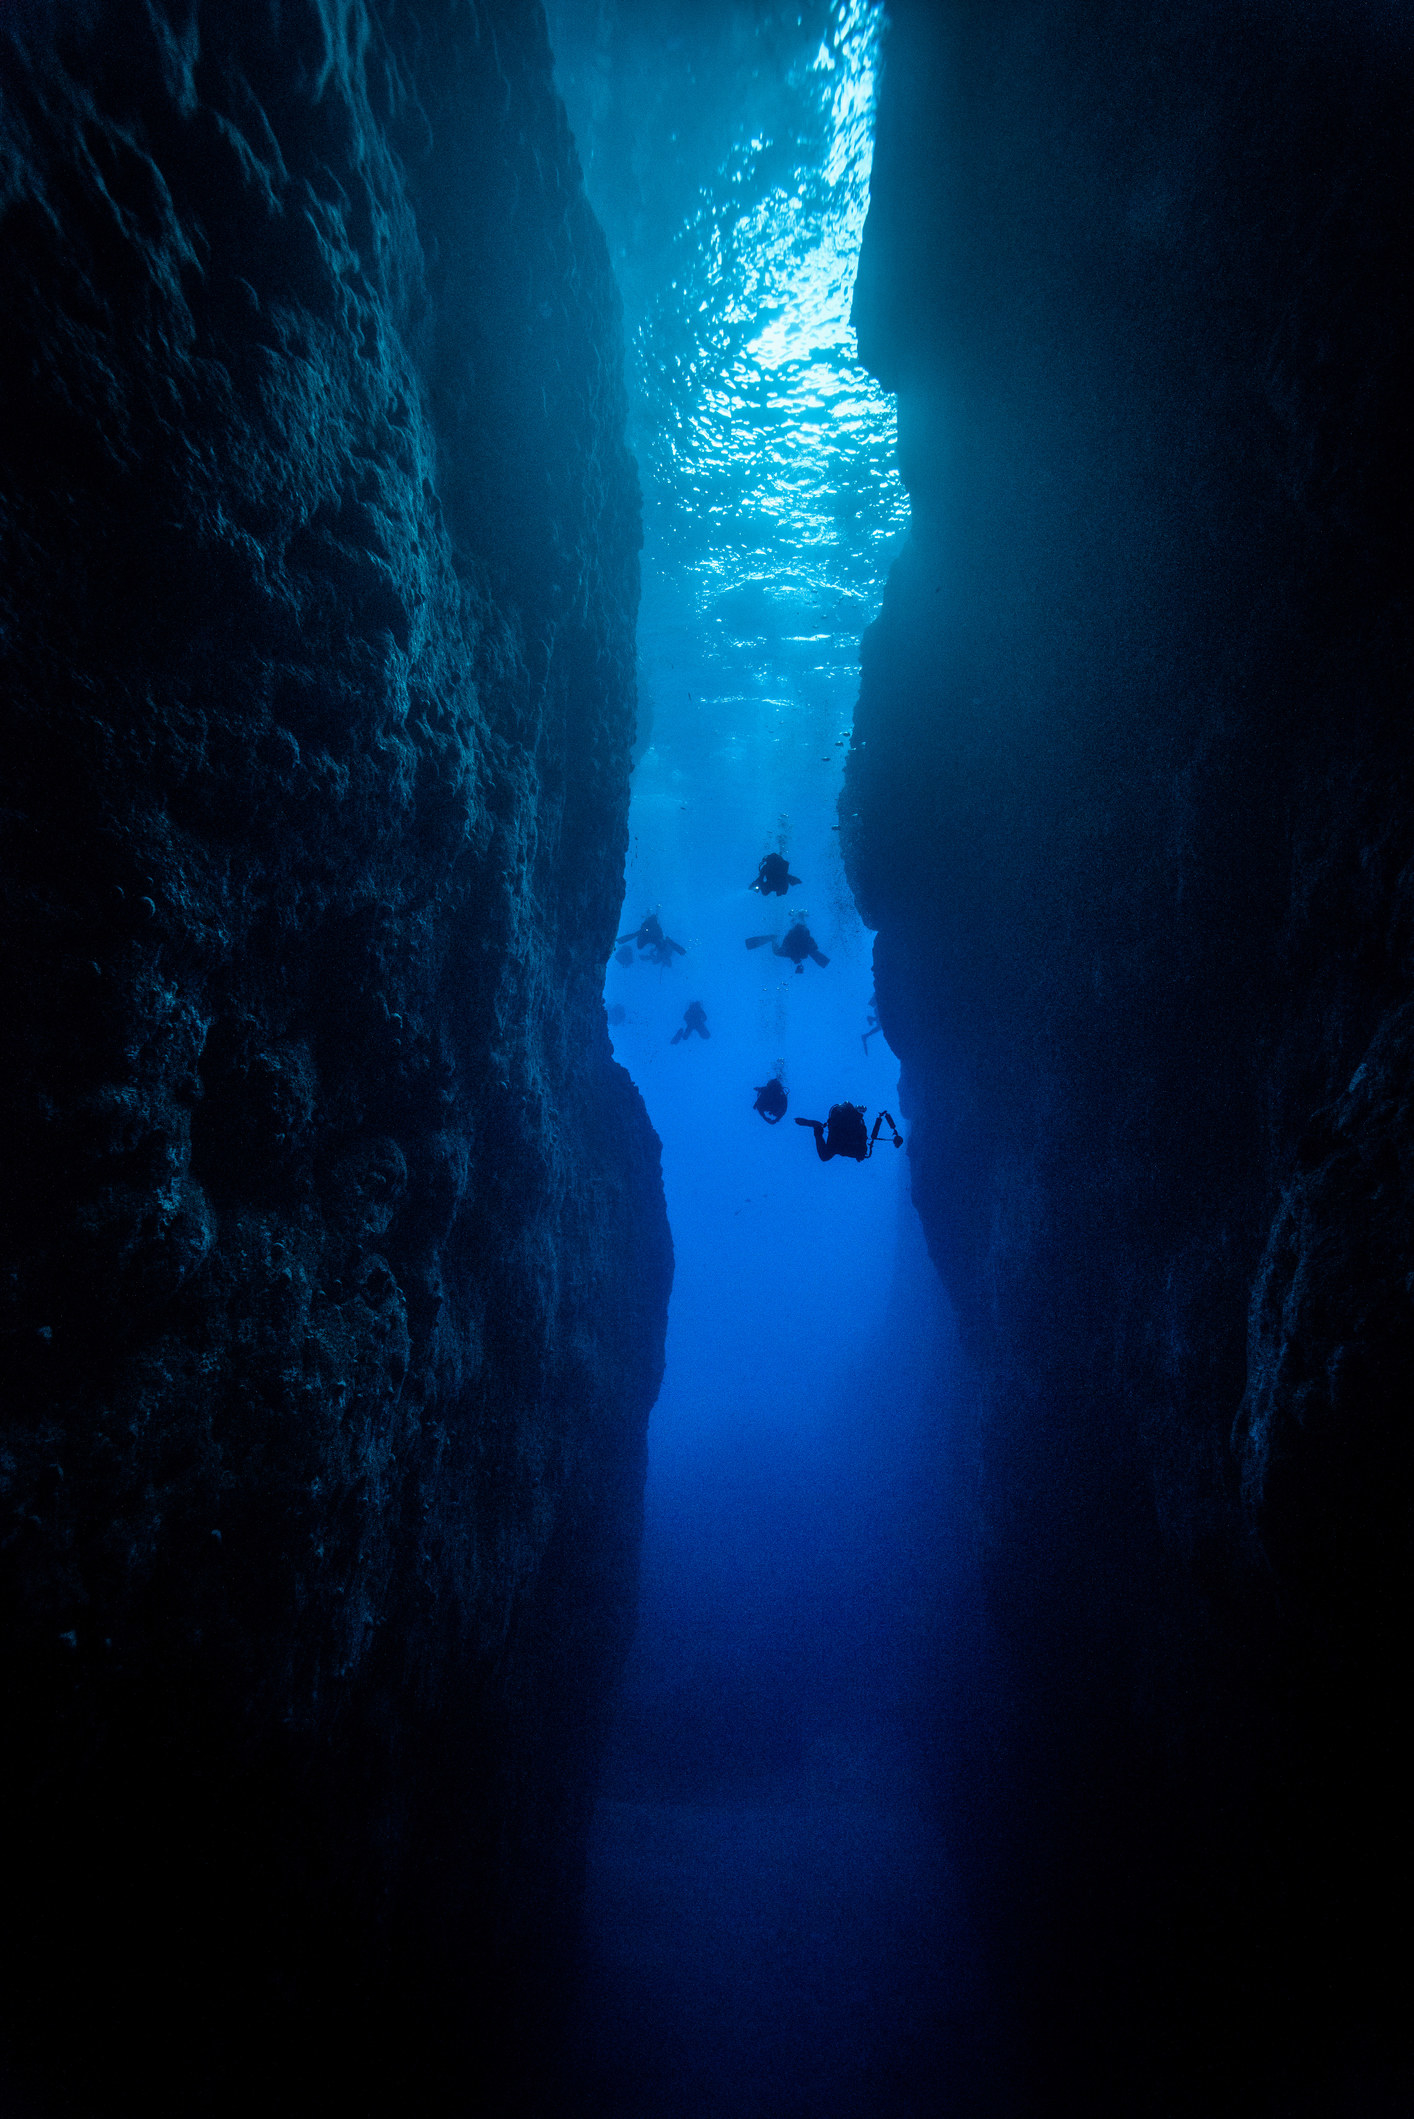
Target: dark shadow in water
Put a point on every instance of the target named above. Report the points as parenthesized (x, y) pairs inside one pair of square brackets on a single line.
[(773, 1928)]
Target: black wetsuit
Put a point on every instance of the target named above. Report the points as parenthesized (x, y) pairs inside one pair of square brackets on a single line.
[(659, 948), (771, 1100), (798, 945), (773, 878), (844, 1133), (646, 936)]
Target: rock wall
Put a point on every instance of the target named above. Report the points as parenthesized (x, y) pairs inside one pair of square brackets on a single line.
[(335, 1258), (1130, 804)]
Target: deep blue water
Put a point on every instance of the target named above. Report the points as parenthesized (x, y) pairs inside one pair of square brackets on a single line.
[(772, 1925)]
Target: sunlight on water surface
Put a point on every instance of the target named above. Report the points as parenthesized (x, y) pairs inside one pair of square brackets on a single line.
[(767, 452)]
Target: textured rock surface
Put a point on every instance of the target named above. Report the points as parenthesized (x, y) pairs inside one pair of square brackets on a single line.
[(1131, 807), (335, 1257)]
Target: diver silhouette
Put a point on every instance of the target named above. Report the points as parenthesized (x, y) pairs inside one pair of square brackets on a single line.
[(651, 931), (773, 877), (798, 945), (657, 947), (871, 1023), (694, 1017), (771, 1100), (843, 1133)]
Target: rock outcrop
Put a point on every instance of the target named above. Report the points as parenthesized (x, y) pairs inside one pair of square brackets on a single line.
[(335, 1259), (1130, 804)]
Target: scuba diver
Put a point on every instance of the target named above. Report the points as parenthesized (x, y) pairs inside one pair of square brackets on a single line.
[(843, 1133), (871, 1024), (694, 1017), (650, 932), (771, 1100), (773, 877), (659, 948), (798, 945)]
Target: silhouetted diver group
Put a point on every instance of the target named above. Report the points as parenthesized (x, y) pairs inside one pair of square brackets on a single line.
[(844, 1132)]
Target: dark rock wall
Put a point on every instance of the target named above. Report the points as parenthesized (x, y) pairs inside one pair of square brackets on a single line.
[(1131, 807), (336, 1263)]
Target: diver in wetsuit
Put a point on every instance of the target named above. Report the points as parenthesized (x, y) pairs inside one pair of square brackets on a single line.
[(844, 1133), (694, 1017), (773, 877), (657, 947), (871, 1024), (650, 932), (771, 1100), (798, 945)]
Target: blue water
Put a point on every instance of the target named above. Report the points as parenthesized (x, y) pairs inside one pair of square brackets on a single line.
[(771, 1921), (771, 506)]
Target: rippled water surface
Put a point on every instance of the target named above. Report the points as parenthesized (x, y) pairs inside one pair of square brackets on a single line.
[(767, 453)]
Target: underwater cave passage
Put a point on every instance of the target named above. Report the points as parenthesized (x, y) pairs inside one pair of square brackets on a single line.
[(765, 1880)]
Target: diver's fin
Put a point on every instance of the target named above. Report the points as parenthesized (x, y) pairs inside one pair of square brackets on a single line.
[(795, 881), (678, 1036), (817, 958), (758, 941), (677, 946)]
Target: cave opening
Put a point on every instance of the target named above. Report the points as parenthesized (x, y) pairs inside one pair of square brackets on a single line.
[(335, 1260), (765, 1877)]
